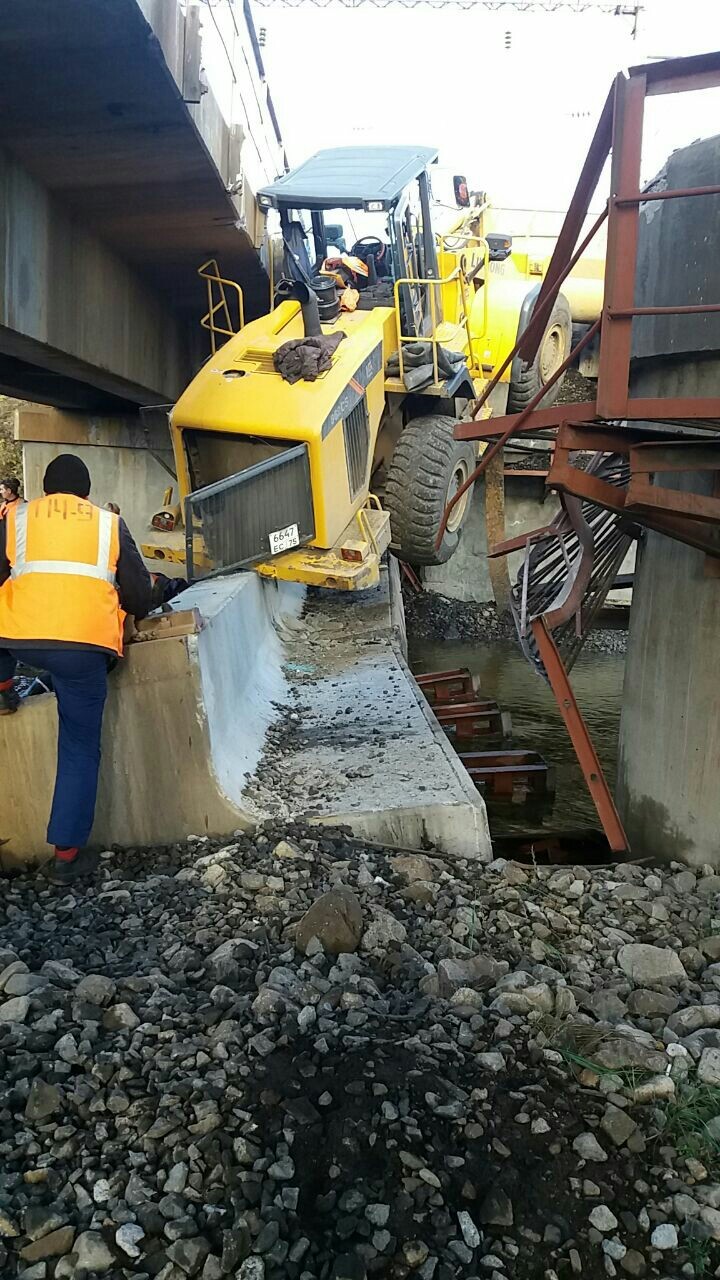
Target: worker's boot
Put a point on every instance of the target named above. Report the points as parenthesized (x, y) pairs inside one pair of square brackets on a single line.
[(71, 865), (9, 698)]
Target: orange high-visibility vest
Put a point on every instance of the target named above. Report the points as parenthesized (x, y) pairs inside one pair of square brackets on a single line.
[(63, 553)]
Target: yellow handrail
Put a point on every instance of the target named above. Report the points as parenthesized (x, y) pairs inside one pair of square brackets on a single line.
[(210, 272), (433, 284), (481, 243), (361, 517)]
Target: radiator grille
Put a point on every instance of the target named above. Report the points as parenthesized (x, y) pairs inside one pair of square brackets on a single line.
[(356, 428), (236, 516)]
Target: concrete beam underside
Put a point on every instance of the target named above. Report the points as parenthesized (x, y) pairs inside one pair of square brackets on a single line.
[(74, 312), (114, 173)]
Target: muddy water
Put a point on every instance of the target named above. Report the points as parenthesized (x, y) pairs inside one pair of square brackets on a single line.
[(537, 725)]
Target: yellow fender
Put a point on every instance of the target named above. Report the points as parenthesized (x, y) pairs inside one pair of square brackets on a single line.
[(507, 294)]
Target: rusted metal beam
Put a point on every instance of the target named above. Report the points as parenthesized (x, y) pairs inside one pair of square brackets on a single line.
[(517, 544), (499, 443), (675, 75), (621, 256), (681, 84), (580, 738), (678, 193), (675, 455), (495, 530), (469, 720), (444, 687), (642, 409), (509, 775), (410, 576), (542, 420), (673, 408), (643, 496), (569, 479), (591, 489), (689, 309)]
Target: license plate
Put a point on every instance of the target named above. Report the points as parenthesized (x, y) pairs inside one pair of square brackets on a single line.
[(284, 539)]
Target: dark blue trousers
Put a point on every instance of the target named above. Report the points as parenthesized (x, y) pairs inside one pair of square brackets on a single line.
[(80, 682)]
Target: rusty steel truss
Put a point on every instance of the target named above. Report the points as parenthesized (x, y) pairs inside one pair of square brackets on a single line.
[(626, 480)]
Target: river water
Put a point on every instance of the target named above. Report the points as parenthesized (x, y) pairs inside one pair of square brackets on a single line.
[(536, 722)]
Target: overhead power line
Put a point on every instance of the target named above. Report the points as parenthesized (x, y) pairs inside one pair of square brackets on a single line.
[(609, 7)]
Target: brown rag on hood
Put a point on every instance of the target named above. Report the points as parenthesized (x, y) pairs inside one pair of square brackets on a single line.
[(306, 358)]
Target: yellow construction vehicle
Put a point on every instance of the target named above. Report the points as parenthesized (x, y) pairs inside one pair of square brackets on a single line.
[(311, 480), (531, 235)]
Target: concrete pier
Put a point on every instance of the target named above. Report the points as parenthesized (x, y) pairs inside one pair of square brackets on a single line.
[(670, 727)]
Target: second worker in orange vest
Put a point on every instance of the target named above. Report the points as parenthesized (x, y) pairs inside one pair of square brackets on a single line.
[(9, 495), (69, 572)]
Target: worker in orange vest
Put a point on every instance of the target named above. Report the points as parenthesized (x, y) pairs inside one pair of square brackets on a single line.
[(9, 495), (69, 572)]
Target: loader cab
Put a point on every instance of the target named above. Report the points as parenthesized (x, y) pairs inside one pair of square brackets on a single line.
[(377, 201)]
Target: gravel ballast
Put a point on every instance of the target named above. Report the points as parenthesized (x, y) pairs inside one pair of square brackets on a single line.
[(430, 616), (501, 1072)]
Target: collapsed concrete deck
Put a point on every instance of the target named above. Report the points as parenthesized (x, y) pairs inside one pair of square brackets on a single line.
[(275, 706)]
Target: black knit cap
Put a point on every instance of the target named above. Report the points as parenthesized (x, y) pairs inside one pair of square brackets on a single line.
[(67, 474)]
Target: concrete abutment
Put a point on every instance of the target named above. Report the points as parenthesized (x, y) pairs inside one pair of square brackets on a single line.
[(670, 726)]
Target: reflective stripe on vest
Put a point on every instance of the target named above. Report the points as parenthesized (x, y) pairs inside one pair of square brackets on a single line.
[(77, 568)]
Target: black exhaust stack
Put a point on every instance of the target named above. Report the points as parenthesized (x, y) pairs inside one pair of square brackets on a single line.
[(297, 291)]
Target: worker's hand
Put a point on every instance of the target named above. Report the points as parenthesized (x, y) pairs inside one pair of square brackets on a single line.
[(129, 628)]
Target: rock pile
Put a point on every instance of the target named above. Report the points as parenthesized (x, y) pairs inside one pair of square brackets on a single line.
[(296, 1057)]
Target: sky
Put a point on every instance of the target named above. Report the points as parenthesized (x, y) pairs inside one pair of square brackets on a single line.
[(517, 121)]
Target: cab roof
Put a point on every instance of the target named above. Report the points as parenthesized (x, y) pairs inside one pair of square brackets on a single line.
[(349, 178)]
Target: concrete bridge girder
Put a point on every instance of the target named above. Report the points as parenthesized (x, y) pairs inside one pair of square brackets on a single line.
[(114, 168), (78, 324)]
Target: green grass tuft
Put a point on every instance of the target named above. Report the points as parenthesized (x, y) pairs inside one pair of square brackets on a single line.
[(702, 1254), (687, 1117)]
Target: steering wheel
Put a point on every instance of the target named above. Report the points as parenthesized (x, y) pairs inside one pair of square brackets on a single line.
[(371, 244)]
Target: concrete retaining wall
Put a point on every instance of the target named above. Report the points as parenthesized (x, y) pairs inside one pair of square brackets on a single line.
[(186, 729), (186, 719)]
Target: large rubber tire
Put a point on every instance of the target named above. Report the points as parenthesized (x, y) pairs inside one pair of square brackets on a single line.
[(554, 348), (427, 467)]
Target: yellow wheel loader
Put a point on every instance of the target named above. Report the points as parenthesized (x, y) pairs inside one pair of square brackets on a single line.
[(317, 436)]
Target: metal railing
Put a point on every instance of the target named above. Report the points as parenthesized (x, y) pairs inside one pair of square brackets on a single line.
[(226, 328), (432, 285)]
